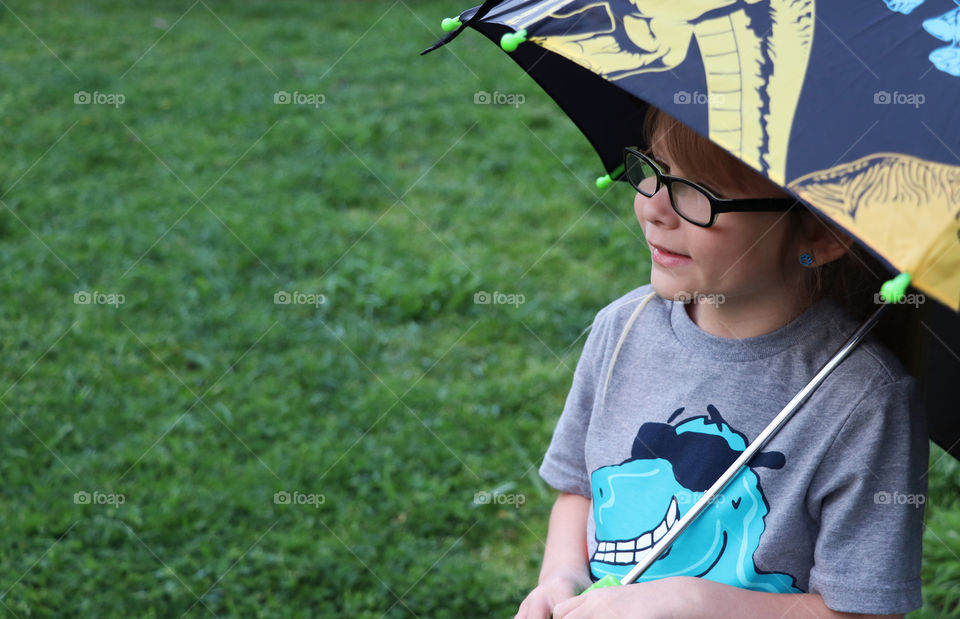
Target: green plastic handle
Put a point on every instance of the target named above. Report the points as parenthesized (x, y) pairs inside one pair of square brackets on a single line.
[(607, 581)]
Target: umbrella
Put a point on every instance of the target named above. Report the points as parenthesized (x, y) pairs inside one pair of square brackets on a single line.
[(844, 105)]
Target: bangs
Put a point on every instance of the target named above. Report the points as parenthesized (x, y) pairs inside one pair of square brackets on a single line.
[(699, 158)]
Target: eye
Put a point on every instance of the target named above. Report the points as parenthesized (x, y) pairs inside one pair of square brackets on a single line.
[(716, 193), (658, 161)]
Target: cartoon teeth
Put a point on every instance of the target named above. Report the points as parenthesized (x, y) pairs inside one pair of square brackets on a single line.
[(630, 551)]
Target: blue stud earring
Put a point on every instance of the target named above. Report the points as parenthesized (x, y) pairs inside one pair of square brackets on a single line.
[(806, 259)]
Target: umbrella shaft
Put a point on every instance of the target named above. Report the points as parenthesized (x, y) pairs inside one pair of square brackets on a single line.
[(772, 428)]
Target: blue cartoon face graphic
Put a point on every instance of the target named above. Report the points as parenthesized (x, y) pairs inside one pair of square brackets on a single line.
[(637, 502)]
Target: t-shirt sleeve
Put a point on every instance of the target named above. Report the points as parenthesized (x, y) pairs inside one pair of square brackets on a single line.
[(564, 465), (870, 490)]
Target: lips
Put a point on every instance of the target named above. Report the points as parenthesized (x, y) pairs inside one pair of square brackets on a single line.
[(668, 252)]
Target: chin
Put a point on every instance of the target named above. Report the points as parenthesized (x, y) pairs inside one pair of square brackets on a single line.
[(669, 289)]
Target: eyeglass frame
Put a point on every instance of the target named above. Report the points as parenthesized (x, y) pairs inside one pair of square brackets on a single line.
[(717, 204)]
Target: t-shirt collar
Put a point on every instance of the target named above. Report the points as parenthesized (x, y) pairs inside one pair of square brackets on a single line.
[(819, 316)]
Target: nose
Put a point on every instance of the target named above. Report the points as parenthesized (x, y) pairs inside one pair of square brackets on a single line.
[(656, 210)]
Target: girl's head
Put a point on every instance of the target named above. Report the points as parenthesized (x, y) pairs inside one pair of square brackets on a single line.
[(744, 255)]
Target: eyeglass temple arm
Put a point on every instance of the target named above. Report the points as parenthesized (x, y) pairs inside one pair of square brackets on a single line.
[(755, 205)]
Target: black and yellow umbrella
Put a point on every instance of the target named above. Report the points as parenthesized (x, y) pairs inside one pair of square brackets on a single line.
[(849, 106)]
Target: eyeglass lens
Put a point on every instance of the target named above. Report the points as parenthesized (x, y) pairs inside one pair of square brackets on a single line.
[(686, 199)]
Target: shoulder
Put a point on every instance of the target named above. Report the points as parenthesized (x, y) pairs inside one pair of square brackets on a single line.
[(871, 390), (871, 363), (618, 312), (878, 361), (611, 321), (883, 388)]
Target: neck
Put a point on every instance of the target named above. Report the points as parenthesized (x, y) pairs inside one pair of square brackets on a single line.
[(747, 316)]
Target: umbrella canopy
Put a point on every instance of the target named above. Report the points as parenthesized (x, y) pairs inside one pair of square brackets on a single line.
[(849, 106)]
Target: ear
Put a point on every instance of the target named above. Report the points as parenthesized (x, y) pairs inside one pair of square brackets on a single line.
[(826, 242)]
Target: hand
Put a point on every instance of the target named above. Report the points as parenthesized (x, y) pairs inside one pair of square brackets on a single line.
[(662, 598), (539, 604)]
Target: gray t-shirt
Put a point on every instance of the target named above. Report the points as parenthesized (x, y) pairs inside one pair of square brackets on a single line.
[(833, 504)]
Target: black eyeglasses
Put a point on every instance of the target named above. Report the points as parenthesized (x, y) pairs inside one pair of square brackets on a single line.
[(693, 202)]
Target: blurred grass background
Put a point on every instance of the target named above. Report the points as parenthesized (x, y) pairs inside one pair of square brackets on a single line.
[(399, 399)]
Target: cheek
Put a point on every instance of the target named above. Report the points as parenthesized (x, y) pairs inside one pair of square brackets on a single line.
[(739, 245), (638, 201), (720, 249), (706, 245)]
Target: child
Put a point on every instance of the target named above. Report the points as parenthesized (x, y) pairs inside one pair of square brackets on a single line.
[(738, 317)]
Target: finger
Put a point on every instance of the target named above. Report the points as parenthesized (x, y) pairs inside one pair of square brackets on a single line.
[(524, 611), (539, 609), (534, 607), (567, 606)]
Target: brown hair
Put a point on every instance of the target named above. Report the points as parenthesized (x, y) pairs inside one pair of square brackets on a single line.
[(852, 280)]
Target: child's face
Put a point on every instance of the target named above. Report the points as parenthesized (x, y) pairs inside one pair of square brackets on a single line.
[(741, 255)]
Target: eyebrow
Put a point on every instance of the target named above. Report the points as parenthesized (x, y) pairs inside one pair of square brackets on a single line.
[(666, 168), (658, 160)]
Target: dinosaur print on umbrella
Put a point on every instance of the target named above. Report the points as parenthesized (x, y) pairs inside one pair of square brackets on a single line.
[(754, 55)]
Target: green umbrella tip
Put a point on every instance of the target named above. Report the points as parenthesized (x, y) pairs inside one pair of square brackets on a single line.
[(893, 290), (511, 40), (607, 179), (449, 24)]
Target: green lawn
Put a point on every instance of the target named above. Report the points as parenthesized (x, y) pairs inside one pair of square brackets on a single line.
[(387, 407)]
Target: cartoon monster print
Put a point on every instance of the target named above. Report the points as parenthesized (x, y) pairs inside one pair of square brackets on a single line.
[(671, 466)]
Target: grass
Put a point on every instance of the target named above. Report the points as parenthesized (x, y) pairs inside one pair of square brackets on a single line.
[(197, 398)]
